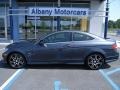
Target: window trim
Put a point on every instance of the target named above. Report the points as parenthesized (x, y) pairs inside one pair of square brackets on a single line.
[(59, 42)]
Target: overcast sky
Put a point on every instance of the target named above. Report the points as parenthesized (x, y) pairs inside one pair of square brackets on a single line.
[(114, 10)]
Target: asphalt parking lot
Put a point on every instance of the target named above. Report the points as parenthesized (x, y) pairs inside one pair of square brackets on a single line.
[(59, 77)]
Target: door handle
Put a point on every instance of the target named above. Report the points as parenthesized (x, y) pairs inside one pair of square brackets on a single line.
[(68, 45), (65, 46)]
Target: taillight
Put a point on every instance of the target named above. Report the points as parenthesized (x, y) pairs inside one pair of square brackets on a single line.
[(114, 46)]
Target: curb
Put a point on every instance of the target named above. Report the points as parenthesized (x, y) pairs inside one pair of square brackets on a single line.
[(0, 88), (5, 43)]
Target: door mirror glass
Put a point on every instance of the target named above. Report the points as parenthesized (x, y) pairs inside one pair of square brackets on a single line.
[(42, 44)]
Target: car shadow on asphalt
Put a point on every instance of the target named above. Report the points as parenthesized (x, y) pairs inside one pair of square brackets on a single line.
[(62, 66), (56, 66), (3, 64), (53, 66)]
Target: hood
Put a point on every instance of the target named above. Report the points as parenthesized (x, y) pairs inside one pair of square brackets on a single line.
[(22, 44)]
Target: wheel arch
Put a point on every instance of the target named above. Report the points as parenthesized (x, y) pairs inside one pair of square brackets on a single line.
[(85, 59)]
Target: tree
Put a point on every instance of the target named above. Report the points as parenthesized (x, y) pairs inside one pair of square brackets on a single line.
[(43, 25), (110, 24), (118, 23), (114, 24)]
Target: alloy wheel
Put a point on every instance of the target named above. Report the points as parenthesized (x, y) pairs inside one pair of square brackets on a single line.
[(16, 60), (95, 61)]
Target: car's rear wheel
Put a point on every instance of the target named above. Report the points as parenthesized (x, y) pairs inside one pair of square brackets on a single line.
[(95, 61), (16, 60)]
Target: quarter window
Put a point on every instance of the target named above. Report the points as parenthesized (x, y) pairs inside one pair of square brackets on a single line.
[(81, 37)]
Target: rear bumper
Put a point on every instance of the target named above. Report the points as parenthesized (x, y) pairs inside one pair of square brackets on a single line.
[(112, 58)]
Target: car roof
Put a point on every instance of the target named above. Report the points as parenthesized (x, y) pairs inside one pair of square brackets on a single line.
[(70, 31), (76, 31)]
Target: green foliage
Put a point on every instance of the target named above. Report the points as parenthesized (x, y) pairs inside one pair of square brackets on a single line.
[(28, 25), (43, 25), (118, 23), (110, 24), (113, 25)]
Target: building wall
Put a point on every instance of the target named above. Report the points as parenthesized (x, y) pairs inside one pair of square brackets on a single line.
[(96, 25), (66, 22)]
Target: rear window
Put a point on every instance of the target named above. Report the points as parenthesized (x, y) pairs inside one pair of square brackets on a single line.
[(81, 37)]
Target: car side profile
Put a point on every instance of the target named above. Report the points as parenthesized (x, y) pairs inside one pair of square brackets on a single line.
[(64, 47)]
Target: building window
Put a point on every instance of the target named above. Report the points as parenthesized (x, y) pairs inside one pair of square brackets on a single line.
[(32, 27), (4, 21)]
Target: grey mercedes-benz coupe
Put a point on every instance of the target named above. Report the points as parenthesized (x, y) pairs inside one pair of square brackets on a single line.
[(64, 47)]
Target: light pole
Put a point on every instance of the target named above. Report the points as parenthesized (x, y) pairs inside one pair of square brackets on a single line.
[(11, 19), (106, 19), (58, 17), (59, 3), (10, 3)]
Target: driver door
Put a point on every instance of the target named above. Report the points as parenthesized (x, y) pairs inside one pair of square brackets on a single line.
[(51, 50), (45, 53)]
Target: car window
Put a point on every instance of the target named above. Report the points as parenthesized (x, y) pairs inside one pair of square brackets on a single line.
[(58, 37), (81, 37)]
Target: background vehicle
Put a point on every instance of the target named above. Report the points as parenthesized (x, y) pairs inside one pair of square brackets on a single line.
[(64, 47)]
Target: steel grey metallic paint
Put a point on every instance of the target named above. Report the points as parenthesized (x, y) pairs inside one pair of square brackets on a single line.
[(63, 52)]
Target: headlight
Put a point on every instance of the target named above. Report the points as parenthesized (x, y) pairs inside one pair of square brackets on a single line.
[(5, 49)]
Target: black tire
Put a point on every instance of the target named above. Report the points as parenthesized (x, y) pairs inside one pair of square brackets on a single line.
[(95, 61), (16, 60)]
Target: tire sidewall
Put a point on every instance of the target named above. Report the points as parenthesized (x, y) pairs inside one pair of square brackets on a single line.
[(86, 61), (17, 67)]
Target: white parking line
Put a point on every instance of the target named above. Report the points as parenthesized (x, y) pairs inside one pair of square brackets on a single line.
[(12, 79), (113, 71), (115, 87), (4, 43), (57, 85), (2, 49)]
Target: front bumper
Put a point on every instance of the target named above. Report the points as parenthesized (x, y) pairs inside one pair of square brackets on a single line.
[(4, 56)]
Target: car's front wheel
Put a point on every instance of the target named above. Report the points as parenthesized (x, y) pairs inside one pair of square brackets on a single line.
[(95, 61), (16, 60)]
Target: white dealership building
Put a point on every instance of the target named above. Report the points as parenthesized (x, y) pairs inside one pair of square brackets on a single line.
[(31, 19)]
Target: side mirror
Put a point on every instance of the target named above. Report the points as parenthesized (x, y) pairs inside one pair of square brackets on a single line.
[(42, 44)]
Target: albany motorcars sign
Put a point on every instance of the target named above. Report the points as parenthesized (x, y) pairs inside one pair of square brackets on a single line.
[(49, 11)]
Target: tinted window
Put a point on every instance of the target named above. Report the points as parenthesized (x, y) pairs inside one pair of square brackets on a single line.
[(58, 37), (81, 37)]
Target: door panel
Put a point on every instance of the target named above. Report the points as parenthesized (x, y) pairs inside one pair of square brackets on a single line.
[(73, 51), (77, 48), (48, 53), (54, 44)]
